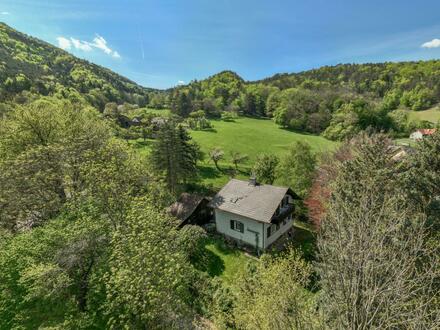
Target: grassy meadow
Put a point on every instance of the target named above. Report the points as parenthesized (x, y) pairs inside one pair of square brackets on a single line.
[(432, 115), (248, 136)]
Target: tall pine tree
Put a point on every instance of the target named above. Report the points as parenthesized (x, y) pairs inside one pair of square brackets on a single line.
[(175, 154)]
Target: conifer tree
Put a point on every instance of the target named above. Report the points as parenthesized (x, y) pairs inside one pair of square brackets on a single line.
[(175, 154)]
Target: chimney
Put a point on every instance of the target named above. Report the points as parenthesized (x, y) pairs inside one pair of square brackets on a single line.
[(253, 181)]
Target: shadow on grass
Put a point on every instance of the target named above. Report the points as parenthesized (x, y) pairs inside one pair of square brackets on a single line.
[(209, 172), (211, 263), (209, 130), (305, 240), (211, 260), (142, 143), (297, 131)]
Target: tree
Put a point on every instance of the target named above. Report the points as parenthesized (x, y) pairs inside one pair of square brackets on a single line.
[(43, 146), (297, 168), (272, 295), (51, 274), (238, 158), (265, 168), (147, 286), (376, 267), (216, 155), (181, 104), (320, 191), (174, 154)]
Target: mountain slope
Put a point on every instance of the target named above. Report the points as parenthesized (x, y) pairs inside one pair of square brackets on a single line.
[(29, 64), (373, 79)]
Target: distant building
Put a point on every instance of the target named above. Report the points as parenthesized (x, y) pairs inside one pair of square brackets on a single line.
[(421, 133), (253, 214)]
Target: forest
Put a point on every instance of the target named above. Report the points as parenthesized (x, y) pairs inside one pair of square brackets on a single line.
[(86, 241)]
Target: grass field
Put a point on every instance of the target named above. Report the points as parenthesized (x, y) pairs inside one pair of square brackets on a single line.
[(432, 115), (226, 262), (248, 136)]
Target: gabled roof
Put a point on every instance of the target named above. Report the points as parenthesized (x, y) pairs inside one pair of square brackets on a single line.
[(258, 202), (185, 206)]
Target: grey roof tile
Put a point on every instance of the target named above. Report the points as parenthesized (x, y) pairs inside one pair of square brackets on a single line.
[(257, 202)]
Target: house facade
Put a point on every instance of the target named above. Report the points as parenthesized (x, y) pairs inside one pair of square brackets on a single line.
[(253, 214)]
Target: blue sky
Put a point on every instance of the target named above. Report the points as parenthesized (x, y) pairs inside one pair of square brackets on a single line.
[(161, 43)]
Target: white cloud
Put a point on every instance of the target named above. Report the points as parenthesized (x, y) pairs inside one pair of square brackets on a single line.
[(81, 45), (64, 43), (5, 13), (86, 46), (180, 82), (434, 43), (100, 43)]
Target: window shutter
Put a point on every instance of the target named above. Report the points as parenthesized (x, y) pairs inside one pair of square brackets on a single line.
[(241, 226), (232, 225)]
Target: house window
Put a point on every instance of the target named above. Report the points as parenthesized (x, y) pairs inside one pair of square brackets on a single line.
[(272, 229), (237, 226)]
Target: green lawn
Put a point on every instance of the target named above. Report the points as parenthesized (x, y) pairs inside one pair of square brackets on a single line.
[(222, 260), (226, 262), (249, 136), (432, 115)]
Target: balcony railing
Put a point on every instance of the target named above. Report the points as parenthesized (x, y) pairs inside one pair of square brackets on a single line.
[(284, 213)]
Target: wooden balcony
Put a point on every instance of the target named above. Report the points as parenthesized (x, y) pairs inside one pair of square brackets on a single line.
[(284, 213)]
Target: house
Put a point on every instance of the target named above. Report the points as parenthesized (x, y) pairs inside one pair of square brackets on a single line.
[(253, 214), (191, 209), (421, 133)]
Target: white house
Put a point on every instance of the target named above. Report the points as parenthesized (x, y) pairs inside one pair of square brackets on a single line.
[(253, 214), (421, 133)]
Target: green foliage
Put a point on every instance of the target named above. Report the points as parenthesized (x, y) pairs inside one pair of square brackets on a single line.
[(34, 66), (269, 295), (148, 281), (356, 116), (49, 274), (295, 109), (296, 169), (175, 154), (264, 168), (42, 147)]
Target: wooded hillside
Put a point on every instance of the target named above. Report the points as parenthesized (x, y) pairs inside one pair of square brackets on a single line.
[(30, 68)]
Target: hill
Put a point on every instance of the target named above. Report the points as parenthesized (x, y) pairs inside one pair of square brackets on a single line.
[(374, 78), (29, 67), (337, 101)]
